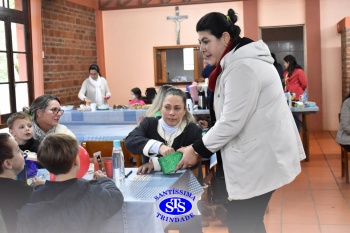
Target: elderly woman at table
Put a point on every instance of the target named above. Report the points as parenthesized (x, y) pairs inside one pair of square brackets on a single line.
[(95, 88), (45, 112), (160, 137)]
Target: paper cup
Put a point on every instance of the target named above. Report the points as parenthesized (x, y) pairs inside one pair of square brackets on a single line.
[(93, 107)]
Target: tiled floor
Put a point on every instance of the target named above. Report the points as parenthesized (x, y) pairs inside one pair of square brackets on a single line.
[(318, 201)]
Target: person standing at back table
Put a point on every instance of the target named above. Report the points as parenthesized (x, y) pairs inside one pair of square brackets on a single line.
[(295, 81), (95, 88), (254, 130)]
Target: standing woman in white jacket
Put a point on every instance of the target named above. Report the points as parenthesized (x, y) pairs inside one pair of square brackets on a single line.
[(95, 88), (254, 130)]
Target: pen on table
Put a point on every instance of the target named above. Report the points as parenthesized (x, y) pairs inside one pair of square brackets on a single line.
[(129, 173)]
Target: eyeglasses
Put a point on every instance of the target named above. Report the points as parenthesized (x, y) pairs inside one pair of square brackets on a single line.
[(56, 111)]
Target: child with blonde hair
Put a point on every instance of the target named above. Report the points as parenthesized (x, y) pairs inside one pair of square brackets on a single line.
[(21, 128)]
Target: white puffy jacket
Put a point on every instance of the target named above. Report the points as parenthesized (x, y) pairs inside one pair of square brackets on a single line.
[(255, 130)]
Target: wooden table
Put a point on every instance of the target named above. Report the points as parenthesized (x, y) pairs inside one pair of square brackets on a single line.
[(304, 124)]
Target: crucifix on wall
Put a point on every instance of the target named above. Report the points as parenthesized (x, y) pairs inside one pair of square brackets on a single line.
[(177, 18)]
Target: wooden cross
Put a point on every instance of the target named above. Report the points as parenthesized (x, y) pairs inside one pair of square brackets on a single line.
[(177, 18)]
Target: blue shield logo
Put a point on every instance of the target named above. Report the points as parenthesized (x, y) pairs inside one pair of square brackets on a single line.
[(175, 206)]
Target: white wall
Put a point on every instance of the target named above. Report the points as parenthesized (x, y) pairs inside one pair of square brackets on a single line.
[(332, 11), (292, 12), (280, 13), (130, 35)]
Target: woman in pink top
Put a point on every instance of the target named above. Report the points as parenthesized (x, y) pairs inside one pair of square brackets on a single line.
[(136, 97), (294, 75)]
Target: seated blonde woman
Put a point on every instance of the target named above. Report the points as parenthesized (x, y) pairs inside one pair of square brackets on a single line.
[(155, 137), (160, 137)]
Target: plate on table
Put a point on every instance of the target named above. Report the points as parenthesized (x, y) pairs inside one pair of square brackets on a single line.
[(119, 106), (146, 106), (67, 107), (102, 107), (84, 108)]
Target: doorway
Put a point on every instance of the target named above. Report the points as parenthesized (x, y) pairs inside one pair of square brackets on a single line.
[(283, 41)]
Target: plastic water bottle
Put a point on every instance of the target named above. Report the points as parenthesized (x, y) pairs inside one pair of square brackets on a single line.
[(305, 96), (118, 161), (289, 99)]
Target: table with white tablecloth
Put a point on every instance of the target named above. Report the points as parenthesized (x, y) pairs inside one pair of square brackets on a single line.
[(100, 132), (108, 117), (140, 209), (104, 125)]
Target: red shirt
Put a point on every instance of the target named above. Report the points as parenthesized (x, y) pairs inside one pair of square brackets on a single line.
[(296, 83), (132, 102)]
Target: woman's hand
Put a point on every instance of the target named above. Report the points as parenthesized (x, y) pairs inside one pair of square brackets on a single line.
[(107, 97), (189, 158), (99, 174), (165, 150), (203, 124), (88, 101), (146, 168)]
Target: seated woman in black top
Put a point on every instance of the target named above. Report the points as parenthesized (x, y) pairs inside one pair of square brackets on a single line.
[(160, 137)]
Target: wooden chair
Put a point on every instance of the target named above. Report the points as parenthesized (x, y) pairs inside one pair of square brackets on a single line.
[(344, 164), (106, 148), (128, 156), (344, 159)]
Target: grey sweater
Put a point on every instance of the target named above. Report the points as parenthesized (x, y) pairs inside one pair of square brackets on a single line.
[(343, 135)]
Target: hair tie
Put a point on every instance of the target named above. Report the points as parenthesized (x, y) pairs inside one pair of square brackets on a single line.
[(228, 18)]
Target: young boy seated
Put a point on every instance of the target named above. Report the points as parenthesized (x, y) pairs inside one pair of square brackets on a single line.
[(14, 194), (20, 127), (68, 204)]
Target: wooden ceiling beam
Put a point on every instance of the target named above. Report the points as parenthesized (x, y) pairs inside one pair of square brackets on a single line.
[(105, 5)]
